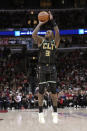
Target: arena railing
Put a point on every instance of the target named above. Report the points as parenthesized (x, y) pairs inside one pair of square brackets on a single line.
[(38, 10), (59, 49), (66, 49)]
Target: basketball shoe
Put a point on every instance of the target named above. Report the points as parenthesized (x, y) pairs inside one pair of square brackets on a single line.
[(55, 117), (41, 118)]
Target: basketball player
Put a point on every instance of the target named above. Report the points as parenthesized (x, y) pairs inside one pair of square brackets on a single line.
[(47, 69)]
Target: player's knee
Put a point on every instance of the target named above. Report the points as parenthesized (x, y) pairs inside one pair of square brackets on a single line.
[(53, 88), (53, 91), (41, 89)]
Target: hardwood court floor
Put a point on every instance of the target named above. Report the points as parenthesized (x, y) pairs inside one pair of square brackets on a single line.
[(27, 120)]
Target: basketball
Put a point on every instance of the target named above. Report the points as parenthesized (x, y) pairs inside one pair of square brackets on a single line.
[(43, 16)]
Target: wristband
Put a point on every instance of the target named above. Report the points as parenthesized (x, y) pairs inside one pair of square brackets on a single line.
[(53, 23)]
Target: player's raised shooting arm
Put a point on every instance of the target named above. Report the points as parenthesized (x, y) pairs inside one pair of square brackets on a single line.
[(35, 36)]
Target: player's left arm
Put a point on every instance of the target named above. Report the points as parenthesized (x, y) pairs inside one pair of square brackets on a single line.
[(56, 29), (57, 36)]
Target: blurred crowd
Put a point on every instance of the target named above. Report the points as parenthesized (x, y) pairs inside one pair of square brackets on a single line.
[(19, 90)]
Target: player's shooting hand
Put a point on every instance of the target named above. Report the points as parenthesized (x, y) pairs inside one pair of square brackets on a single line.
[(42, 23)]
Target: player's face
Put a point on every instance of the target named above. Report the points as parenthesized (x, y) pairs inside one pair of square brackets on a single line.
[(48, 34)]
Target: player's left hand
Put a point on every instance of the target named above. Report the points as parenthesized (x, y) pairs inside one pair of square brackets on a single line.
[(51, 16)]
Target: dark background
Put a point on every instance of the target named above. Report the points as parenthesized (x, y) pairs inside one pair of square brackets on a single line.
[(69, 14), (12, 4)]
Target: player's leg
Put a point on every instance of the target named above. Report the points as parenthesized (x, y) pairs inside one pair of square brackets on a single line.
[(54, 102), (52, 83), (42, 85), (41, 96), (40, 102)]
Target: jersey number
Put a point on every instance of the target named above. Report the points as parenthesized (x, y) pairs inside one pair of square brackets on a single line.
[(47, 53)]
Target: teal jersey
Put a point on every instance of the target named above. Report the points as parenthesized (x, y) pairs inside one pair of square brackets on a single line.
[(47, 52)]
